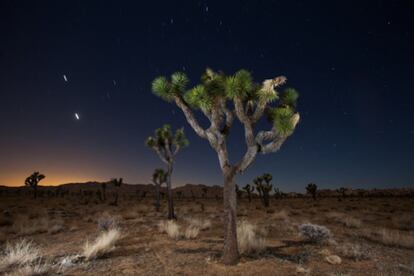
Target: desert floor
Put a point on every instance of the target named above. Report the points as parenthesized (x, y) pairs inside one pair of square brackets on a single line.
[(371, 236)]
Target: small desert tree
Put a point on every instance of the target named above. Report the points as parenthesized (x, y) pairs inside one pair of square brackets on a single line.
[(277, 193), (342, 191), (117, 182), (159, 177), (311, 189), (264, 187), (33, 180), (249, 190), (222, 98), (167, 145)]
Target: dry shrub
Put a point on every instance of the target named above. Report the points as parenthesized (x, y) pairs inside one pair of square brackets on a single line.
[(191, 232), (353, 251), (39, 267), (103, 244), (389, 237), (107, 222), (202, 224), (315, 233), (21, 253), (403, 222), (170, 227), (281, 215), (344, 219), (248, 238)]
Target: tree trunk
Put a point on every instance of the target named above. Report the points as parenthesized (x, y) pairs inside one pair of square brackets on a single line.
[(171, 214), (250, 197), (266, 199), (35, 192), (157, 202), (231, 250)]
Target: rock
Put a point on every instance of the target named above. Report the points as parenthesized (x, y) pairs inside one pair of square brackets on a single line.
[(333, 259), (302, 270), (325, 252)]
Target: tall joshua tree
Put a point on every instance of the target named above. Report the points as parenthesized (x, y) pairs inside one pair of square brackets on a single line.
[(159, 177), (311, 189), (249, 190), (264, 187), (222, 99), (117, 182), (33, 180), (167, 145)]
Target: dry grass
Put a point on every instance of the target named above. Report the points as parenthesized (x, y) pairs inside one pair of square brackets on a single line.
[(403, 222), (23, 225), (191, 232), (353, 251), (344, 219), (248, 238), (389, 237), (104, 244), (282, 215), (37, 268), (21, 253), (170, 227), (202, 224)]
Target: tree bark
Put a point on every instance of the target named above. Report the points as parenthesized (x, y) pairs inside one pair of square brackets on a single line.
[(171, 214), (157, 202), (231, 250)]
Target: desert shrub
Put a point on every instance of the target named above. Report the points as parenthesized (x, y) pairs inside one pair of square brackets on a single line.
[(315, 233), (20, 253), (281, 215), (107, 222), (39, 267), (191, 232), (353, 251), (389, 237), (202, 224), (403, 222), (248, 238), (103, 244), (171, 228)]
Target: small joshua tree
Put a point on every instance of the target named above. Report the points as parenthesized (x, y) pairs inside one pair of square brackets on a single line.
[(204, 190), (342, 192), (311, 189), (117, 183), (167, 145), (249, 190), (33, 180), (159, 177), (264, 187), (222, 99), (103, 185), (278, 194)]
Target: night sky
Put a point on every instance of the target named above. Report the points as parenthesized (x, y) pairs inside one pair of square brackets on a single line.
[(351, 61)]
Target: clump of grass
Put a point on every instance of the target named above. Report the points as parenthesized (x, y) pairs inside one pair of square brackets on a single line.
[(39, 267), (20, 253), (170, 227), (389, 237), (103, 244), (202, 224), (191, 232), (248, 238), (353, 251), (315, 233), (344, 219), (281, 215)]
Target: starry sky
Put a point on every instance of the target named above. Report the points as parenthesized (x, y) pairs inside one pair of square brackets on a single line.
[(76, 101)]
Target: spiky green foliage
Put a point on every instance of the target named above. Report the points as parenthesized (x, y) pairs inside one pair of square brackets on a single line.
[(239, 85), (164, 137), (166, 89), (197, 97), (281, 117), (289, 97)]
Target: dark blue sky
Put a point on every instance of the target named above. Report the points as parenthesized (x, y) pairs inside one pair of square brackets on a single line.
[(351, 61)]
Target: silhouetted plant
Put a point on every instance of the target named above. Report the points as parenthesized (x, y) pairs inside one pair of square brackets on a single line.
[(342, 192), (159, 177), (238, 192), (33, 180), (179, 195), (167, 145), (117, 182), (221, 99), (204, 194), (103, 186), (249, 190), (278, 194), (264, 187), (311, 189)]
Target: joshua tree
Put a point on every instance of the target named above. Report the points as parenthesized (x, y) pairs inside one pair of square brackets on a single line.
[(278, 193), (264, 187), (167, 145), (249, 190), (103, 185), (221, 99), (33, 180), (238, 192), (311, 189), (117, 183), (342, 192), (205, 190), (159, 177)]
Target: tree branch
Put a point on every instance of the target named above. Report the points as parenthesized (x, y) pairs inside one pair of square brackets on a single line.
[(190, 117)]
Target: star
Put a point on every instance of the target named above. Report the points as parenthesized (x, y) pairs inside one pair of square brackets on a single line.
[(65, 78), (77, 117)]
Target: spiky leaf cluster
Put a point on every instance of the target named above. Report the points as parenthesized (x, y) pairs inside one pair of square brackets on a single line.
[(34, 179), (167, 89), (311, 188), (263, 183), (117, 182), (164, 137)]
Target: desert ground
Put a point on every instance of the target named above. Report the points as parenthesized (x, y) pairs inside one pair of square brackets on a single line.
[(78, 235)]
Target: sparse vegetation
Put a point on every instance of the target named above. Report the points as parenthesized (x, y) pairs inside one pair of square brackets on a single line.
[(249, 239), (315, 233), (33, 180), (19, 253), (264, 187), (102, 245), (249, 190), (312, 189), (159, 177)]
